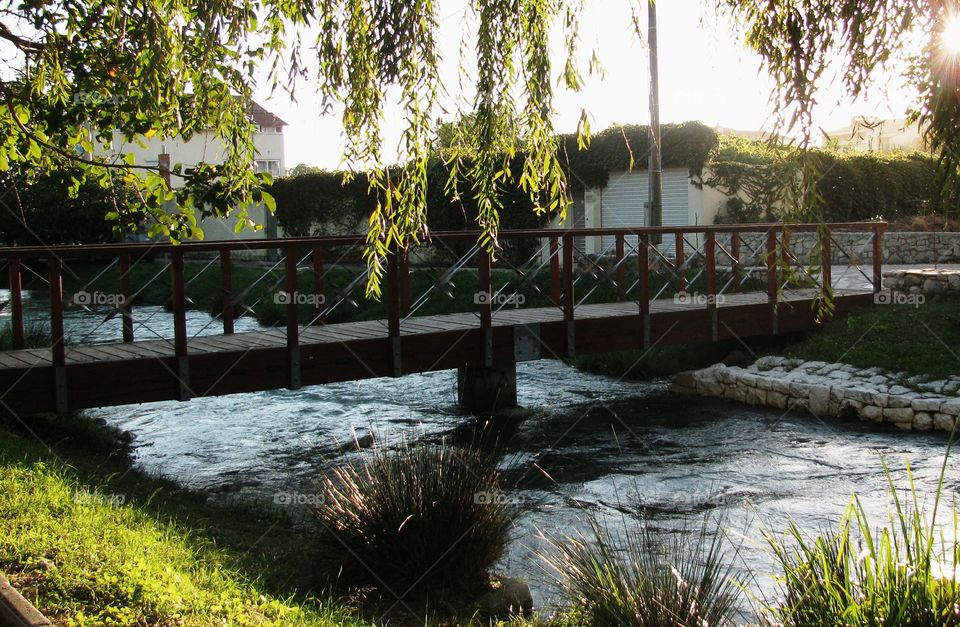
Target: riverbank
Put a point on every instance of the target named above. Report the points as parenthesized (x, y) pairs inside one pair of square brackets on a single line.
[(91, 541), (832, 390)]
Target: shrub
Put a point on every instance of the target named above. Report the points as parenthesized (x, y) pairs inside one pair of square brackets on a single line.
[(421, 517), (858, 576), (35, 335), (621, 579)]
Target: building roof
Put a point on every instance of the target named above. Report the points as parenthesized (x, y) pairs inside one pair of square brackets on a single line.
[(263, 117)]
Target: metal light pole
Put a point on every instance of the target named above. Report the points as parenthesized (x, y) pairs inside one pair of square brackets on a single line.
[(655, 168)]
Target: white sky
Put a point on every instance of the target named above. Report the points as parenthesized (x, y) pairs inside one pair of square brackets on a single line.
[(706, 74)]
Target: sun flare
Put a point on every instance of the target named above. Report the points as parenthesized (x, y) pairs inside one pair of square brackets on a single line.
[(950, 38)]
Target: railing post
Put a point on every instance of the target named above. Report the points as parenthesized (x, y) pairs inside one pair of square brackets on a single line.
[(58, 349), (555, 270), (710, 261), (126, 308), (16, 303), (621, 270), (735, 258), (568, 296), (404, 281), (226, 290), (643, 267), (318, 285), (772, 277), (826, 262), (180, 324), (293, 322), (878, 230), (484, 296), (484, 287), (785, 248), (393, 309), (679, 260)]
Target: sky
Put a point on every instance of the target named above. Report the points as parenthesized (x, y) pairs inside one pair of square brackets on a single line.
[(706, 74)]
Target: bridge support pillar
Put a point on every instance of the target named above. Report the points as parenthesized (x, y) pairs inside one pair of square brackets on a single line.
[(486, 389)]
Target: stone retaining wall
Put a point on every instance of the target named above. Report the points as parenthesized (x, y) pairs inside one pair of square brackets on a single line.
[(928, 281), (832, 390), (899, 247)]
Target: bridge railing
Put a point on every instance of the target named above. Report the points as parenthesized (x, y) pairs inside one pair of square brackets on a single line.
[(304, 282)]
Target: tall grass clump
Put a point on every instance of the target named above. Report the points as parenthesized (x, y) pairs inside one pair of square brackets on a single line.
[(421, 517), (903, 573), (35, 335), (622, 578)]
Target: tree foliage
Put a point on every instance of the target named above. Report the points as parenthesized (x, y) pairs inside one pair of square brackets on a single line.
[(86, 68), (762, 180), (804, 42)]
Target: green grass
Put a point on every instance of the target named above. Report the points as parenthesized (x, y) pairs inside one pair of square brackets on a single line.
[(903, 573), (129, 550), (628, 578), (922, 340), (422, 517)]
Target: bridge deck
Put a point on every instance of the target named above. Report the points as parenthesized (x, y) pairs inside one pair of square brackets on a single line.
[(102, 375), (347, 332)]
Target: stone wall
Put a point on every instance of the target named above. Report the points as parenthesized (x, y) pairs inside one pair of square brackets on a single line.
[(832, 390), (899, 247), (928, 281)]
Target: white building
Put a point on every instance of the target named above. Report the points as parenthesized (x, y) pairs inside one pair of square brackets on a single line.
[(206, 147), (622, 203)]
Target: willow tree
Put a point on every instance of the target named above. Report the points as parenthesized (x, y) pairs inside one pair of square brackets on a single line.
[(805, 44), (85, 69)]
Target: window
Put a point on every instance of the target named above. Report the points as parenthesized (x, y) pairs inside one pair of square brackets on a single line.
[(269, 165)]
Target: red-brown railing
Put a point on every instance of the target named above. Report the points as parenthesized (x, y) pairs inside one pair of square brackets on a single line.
[(558, 251)]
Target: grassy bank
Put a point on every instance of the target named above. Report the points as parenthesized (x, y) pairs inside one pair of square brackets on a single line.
[(91, 542), (917, 340)]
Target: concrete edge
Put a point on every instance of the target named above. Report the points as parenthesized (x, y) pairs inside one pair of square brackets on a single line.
[(16, 611)]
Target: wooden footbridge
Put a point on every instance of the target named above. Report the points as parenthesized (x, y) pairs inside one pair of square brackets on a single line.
[(543, 298)]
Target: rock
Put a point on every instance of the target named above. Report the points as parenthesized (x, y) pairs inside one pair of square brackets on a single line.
[(931, 405), (872, 412), (777, 399), (922, 421), (899, 390), (943, 422), (820, 400), (951, 407), (768, 362), (898, 414), (710, 388), (858, 394), (511, 598), (903, 426), (686, 379), (841, 375)]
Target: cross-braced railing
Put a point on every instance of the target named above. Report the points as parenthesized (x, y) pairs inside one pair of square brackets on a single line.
[(300, 283)]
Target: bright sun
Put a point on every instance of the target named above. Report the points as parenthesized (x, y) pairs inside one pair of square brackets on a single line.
[(951, 34)]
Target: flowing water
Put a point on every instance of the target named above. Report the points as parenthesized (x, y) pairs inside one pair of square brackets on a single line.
[(589, 446)]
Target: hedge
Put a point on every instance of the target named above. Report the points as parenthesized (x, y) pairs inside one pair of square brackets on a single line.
[(851, 186), (319, 203), (45, 212)]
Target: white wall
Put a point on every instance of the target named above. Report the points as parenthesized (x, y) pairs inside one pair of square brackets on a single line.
[(206, 147)]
